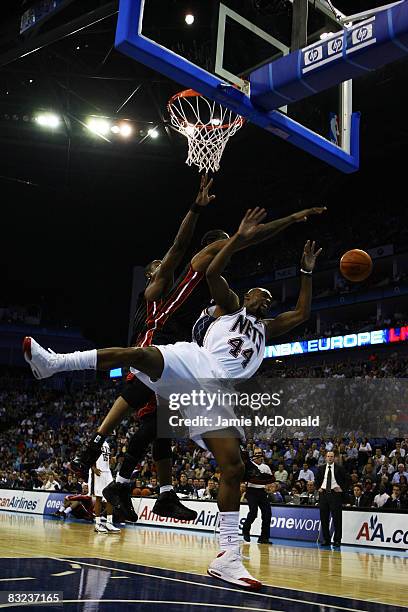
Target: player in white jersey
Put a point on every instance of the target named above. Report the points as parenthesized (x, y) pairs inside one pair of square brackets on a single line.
[(100, 476), (232, 345)]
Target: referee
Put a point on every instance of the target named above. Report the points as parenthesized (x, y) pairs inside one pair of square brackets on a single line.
[(257, 498)]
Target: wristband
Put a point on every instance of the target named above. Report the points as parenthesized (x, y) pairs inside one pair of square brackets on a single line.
[(309, 273), (196, 208)]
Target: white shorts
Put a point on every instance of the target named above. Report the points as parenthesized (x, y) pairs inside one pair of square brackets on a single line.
[(189, 367), (96, 484)]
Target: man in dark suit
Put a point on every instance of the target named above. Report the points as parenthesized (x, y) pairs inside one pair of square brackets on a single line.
[(331, 483), (360, 499), (396, 501)]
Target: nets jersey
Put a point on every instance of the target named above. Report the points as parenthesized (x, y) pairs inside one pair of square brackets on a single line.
[(236, 340), (103, 462)]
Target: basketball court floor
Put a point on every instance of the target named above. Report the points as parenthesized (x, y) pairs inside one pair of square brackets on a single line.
[(150, 569)]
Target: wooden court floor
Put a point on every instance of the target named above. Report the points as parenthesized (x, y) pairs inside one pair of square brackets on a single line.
[(355, 576)]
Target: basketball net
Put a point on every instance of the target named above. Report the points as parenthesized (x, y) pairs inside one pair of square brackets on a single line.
[(206, 124)]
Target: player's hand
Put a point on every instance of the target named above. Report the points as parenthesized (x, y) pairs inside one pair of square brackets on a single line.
[(96, 471), (204, 198), (303, 215), (251, 223), (309, 256)]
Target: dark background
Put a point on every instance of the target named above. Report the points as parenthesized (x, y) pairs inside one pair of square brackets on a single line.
[(77, 213)]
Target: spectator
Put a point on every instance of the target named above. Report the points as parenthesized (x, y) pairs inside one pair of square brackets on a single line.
[(396, 501), (51, 484), (184, 488), (381, 498), (310, 496), (281, 475), (211, 491), (243, 498), (274, 494), (306, 473), (396, 479)]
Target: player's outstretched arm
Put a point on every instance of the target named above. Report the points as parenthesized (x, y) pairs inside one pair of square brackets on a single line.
[(227, 300), (163, 279), (288, 320), (271, 229)]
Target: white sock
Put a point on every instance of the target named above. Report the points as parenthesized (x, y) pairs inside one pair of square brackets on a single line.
[(165, 488), (98, 520), (229, 530), (80, 360), (67, 511), (109, 518), (120, 478)]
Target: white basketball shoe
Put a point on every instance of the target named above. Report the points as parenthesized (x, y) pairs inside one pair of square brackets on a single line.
[(228, 566), (42, 363), (99, 528), (110, 527)]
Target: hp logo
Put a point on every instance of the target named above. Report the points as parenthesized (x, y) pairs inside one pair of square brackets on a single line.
[(313, 55), (362, 34)]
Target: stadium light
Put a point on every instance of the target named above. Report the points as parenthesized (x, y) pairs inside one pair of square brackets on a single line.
[(115, 129), (98, 126), (125, 130), (153, 133), (189, 19), (48, 120)]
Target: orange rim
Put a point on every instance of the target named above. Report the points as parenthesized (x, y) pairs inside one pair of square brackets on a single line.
[(190, 93)]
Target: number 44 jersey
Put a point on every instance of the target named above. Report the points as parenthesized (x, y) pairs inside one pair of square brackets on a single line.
[(236, 340)]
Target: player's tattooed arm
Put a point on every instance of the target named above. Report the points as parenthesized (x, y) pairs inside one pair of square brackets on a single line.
[(271, 229), (163, 279), (227, 300), (289, 320)]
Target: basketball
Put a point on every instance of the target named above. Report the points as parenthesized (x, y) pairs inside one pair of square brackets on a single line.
[(356, 265)]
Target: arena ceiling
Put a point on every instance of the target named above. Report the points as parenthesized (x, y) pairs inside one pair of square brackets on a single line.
[(75, 207)]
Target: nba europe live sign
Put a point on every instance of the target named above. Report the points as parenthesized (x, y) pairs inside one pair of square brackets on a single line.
[(379, 336)]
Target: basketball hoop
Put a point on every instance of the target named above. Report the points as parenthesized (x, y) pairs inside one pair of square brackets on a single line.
[(206, 124)]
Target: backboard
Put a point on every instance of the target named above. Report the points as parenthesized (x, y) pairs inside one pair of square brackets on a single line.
[(213, 47)]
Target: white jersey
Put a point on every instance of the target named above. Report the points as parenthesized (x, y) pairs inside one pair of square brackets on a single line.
[(237, 340), (103, 463)]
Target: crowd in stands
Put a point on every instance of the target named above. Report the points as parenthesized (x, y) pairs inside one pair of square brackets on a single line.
[(351, 228), (41, 429)]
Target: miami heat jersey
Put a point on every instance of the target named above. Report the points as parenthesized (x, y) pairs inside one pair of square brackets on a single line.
[(236, 340), (170, 319)]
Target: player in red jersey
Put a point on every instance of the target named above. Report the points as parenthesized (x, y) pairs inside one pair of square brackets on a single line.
[(80, 506), (169, 311)]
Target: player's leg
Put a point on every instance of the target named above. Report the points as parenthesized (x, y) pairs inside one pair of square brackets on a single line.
[(134, 395), (266, 514), (44, 364), (99, 528), (252, 499), (168, 503), (109, 526), (119, 493), (228, 565)]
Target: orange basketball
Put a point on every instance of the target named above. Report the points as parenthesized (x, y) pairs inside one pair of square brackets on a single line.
[(146, 492), (356, 265)]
